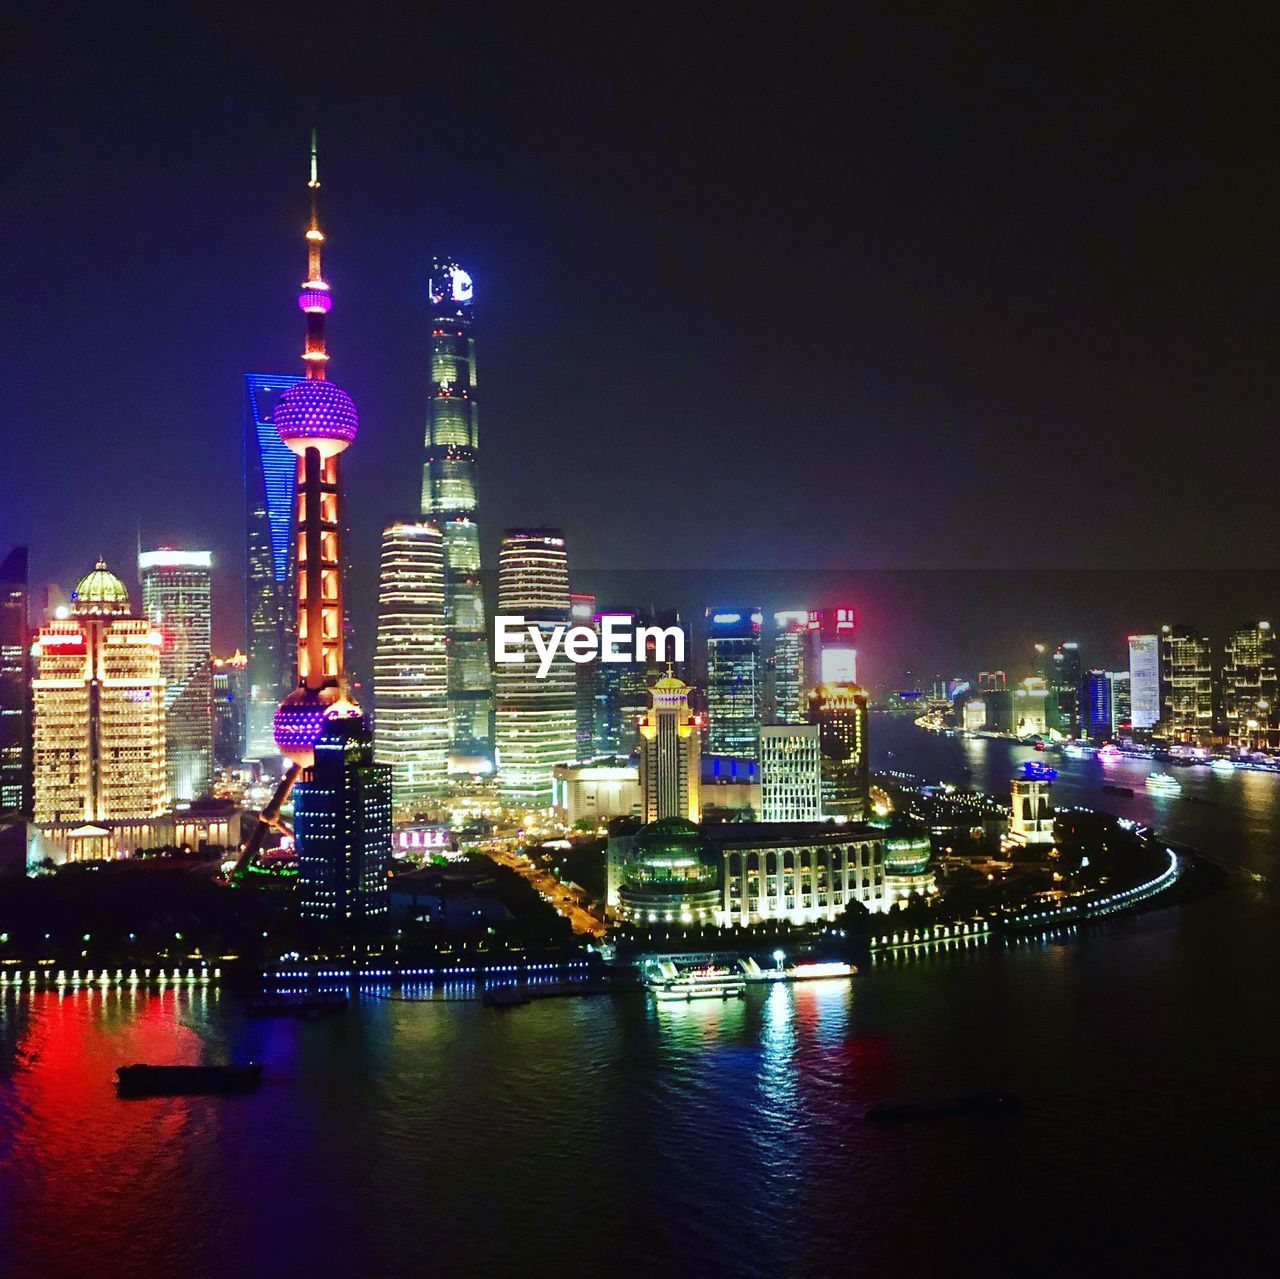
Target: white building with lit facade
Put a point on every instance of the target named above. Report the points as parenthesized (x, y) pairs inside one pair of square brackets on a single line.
[(410, 676), (177, 600), (744, 873), (790, 773)]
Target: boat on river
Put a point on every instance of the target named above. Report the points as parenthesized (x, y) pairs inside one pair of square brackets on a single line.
[(1163, 784), (668, 981), (143, 1080)]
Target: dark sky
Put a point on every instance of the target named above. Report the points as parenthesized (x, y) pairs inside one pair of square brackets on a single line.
[(848, 287)]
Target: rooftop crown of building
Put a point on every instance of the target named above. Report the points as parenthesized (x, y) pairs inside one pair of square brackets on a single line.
[(100, 593)]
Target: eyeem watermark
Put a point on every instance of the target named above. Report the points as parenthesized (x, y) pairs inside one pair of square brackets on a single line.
[(617, 640)]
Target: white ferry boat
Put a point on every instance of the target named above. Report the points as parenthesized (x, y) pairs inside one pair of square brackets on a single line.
[(1163, 784), (704, 981)]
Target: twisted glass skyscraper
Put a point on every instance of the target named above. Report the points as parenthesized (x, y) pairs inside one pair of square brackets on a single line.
[(449, 502)]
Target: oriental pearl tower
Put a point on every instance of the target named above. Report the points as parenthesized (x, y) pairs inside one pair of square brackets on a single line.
[(317, 421)]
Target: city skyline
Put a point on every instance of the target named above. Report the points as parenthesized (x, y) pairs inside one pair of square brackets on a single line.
[(863, 384)]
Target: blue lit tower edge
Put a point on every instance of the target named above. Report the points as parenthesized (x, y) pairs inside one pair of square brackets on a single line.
[(269, 477), (449, 500)]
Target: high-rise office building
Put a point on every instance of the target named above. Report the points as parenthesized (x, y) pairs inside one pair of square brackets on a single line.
[(614, 727), (1027, 716), (787, 692), (230, 700), (734, 689), (829, 654), (410, 695), (269, 481), (99, 723), (840, 713), (670, 753), (1250, 708), (1186, 685), (790, 773), (1144, 681), (342, 798), (582, 612), (536, 719), (1066, 690), (1097, 715), (177, 594), (1121, 701), (449, 500), (342, 826), (992, 681), (15, 684)]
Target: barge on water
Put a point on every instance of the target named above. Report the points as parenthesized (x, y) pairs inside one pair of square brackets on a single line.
[(175, 1081)]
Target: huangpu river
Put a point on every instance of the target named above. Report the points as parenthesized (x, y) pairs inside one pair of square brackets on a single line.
[(606, 1136)]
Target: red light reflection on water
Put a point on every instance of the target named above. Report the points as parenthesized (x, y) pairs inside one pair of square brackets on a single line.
[(70, 1144)]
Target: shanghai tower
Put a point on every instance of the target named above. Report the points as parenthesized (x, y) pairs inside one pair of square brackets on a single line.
[(449, 502)]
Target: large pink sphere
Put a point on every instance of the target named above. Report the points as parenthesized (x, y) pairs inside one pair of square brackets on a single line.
[(300, 720), (315, 414)]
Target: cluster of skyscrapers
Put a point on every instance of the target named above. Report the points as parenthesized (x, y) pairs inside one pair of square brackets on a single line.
[(1172, 690)]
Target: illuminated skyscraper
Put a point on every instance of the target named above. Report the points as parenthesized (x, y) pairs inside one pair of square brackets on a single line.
[(99, 728), (230, 699), (670, 753), (410, 703), (1144, 680), (1249, 693), (449, 500), (270, 474), (790, 773), (342, 826), (342, 800), (582, 612), (1186, 685), (733, 681), (829, 654), (15, 690), (536, 720), (1097, 714), (788, 692), (1063, 708), (840, 712), (177, 601), (614, 725)]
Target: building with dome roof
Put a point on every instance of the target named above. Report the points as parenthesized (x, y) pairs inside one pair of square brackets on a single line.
[(100, 593), (98, 751), (733, 874), (672, 875)]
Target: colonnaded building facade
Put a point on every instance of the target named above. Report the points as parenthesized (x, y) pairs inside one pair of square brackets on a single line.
[(743, 873)]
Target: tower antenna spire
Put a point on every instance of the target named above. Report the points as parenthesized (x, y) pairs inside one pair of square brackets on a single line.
[(315, 299)]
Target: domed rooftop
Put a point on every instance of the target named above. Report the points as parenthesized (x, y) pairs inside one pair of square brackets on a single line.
[(100, 592), (673, 843)]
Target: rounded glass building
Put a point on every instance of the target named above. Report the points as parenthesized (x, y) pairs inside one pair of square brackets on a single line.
[(673, 876)]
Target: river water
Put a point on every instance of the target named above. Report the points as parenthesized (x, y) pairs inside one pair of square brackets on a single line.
[(602, 1136)]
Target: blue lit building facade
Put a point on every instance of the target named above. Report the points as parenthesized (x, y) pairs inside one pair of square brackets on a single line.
[(269, 479), (342, 826), (734, 684), (1098, 713), (449, 501)]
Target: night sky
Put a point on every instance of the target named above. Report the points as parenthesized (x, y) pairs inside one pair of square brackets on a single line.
[(856, 287)]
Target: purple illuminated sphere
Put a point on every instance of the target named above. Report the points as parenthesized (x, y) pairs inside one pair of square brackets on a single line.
[(316, 415), (299, 721)]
